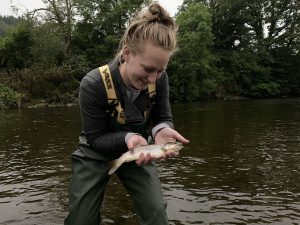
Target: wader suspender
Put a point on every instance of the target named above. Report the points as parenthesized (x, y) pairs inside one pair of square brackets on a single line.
[(112, 99)]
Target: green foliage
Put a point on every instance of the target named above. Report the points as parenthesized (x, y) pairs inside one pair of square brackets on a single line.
[(47, 47), (265, 89), (209, 87), (55, 84), (98, 34), (191, 71), (256, 42), (248, 74), (9, 98), (6, 22), (15, 48), (77, 65), (61, 15), (285, 70), (246, 48)]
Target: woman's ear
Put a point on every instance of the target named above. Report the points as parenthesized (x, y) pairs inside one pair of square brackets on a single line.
[(126, 54)]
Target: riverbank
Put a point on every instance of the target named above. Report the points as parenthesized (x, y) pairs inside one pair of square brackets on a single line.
[(10, 99), (44, 104)]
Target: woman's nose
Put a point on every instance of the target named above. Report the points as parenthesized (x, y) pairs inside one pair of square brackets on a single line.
[(153, 77)]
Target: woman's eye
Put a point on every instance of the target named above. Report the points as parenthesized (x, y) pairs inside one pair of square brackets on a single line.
[(149, 70)]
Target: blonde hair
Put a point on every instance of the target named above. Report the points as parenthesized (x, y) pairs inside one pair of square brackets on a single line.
[(154, 25)]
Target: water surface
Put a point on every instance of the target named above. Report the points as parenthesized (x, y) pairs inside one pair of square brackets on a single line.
[(241, 167)]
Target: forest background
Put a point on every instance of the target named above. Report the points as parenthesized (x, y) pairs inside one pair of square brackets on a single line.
[(228, 49)]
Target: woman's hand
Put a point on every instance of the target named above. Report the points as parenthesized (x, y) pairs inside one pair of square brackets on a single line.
[(168, 135), (162, 136), (138, 141)]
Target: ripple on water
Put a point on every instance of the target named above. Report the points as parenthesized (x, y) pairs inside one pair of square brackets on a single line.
[(189, 202), (214, 206), (241, 166)]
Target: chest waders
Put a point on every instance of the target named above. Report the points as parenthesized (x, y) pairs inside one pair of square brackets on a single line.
[(116, 112), (90, 175)]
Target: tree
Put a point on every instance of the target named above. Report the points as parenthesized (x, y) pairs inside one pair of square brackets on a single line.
[(192, 71), (102, 24), (250, 39), (62, 14), (47, 48), (7, 22), (15, 48)]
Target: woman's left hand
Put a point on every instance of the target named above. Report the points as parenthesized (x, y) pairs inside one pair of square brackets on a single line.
[(163, 136), (168, 135)]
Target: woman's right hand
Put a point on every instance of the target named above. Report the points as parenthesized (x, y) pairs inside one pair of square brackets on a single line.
[(136, 141)]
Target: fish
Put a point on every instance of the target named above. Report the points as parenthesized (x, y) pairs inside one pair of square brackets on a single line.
[(156, 151)]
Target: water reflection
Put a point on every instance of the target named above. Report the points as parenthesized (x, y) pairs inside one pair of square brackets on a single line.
[(203, 199), (241, 167), (34, 165)]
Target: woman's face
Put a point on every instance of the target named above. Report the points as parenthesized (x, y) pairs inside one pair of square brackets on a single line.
[(141, 69)]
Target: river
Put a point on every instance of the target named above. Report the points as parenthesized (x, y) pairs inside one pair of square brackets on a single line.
[(242, 165)]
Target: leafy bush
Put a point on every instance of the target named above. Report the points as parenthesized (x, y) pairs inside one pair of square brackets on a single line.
[(15, 48), (9, 98), (55, 84)]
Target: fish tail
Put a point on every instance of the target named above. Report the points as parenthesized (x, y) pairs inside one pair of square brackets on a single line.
[(114, 165)]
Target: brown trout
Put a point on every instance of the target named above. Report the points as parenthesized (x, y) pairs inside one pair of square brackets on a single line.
[(156, 151)]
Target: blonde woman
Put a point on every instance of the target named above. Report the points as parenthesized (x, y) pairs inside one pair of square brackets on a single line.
[(122, 104)]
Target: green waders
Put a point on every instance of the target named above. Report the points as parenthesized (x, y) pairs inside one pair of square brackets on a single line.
[(90, 175), (88, 183)]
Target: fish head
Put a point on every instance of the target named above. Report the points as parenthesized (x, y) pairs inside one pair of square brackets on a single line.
[(172, 146)]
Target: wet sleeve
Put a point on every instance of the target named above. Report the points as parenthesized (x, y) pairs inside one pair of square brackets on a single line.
[(93, 105), (161, 111)]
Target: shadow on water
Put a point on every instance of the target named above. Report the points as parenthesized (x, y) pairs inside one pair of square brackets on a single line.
[(241, 167)]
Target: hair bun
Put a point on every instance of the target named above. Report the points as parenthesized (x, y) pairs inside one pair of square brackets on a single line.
[(157, 14)]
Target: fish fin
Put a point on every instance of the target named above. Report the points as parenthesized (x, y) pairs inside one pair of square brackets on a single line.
[(113, 166)]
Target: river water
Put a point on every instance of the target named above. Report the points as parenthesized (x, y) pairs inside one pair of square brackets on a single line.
[(242, 165)]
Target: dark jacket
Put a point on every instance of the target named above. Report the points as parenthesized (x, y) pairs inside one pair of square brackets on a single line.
[(100, 139)]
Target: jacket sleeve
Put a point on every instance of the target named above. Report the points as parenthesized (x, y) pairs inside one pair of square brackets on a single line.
[(93, 105), (161, 111)]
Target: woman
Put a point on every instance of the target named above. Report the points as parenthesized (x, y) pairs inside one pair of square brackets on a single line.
[(122, 104)]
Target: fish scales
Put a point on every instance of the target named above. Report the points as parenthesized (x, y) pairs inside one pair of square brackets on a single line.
[(156, 151)]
